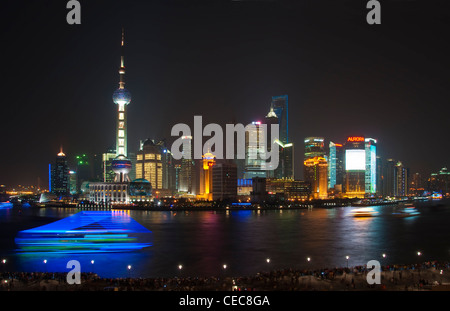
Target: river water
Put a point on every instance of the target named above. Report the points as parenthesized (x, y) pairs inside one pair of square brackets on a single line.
[(247, 242)]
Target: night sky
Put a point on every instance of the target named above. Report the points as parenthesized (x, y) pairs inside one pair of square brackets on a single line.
[(223, 60)]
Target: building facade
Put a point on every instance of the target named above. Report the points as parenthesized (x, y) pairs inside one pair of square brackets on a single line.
[(355, 167), (316, 174), (371, 166), (149, 164), (224, 181), (59, 176)]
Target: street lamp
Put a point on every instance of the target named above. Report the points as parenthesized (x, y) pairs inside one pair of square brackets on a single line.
[(180, 267), (347, 257), (268, 260)]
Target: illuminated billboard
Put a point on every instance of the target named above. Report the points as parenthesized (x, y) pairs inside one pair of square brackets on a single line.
[(355, 160)]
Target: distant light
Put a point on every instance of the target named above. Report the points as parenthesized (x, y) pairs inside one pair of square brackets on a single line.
[(309, 259), (419, 253), (268, 260), (129, 267), (45, 260), (92, 262), (347, 257), (384, 255), (224, 266), (180, 267)]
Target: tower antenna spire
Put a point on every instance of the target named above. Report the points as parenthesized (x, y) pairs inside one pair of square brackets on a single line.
[(122, 62)]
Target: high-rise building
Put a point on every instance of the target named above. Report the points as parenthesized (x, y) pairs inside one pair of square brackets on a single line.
[(395, 179), (439, 182), (401, 180), (83, 169), (371, 166), (73, 188), (59, 176), (187, 170), (380, 176), (389, 177), (224, 181), (107, 159), (205, 176), (285, 168), (255, 151), (355, 167), (149, 164), (314, 147), (315, 172), (336, 166), (280, 106), (416, 185)]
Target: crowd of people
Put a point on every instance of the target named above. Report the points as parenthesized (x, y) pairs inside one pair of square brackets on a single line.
[(393, 277)]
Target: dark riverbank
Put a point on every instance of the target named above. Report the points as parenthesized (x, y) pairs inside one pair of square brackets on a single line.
[(427, 276)]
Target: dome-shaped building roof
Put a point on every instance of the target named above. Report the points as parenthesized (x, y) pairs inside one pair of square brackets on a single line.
[(141, 180), (148, 142)]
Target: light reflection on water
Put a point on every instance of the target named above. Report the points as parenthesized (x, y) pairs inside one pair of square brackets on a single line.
[(202, 242)]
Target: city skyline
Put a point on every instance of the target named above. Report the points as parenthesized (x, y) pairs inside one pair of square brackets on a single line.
[(166, 75)]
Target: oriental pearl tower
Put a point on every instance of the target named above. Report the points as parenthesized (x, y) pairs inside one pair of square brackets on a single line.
[(121, 165)]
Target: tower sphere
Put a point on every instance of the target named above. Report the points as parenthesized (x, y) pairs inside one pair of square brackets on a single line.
[(121, 165), (121, 96)]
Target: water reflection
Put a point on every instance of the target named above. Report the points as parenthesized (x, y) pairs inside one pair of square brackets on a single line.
[(202, 242)]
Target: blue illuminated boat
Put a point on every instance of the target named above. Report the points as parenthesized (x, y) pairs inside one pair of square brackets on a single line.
[(408, 211), (87, 232)]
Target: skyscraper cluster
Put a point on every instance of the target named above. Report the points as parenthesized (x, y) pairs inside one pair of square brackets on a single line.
[(352, 168)]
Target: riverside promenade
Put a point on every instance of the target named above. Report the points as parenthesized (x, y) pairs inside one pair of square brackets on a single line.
[(428, 276)]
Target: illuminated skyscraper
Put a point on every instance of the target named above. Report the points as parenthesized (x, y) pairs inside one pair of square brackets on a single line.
[(187, 169), (255, 150), (314, 147), (355, 167), (285, 168), (59, 176), (205, 177), (336, 166), (371, 166), (280, 107), (107, 171), (315, 170), (149, 164)]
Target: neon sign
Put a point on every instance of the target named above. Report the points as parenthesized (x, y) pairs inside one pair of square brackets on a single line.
[(355, 138)]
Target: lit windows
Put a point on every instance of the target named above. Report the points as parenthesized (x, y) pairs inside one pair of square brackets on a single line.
[(121, 124), (149, 156), (158, 157), (139, 157), (122, 150), (121, 116), (121, 142), (121, 133)]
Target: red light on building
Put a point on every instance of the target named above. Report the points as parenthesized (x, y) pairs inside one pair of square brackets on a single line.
[(355, 138)]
